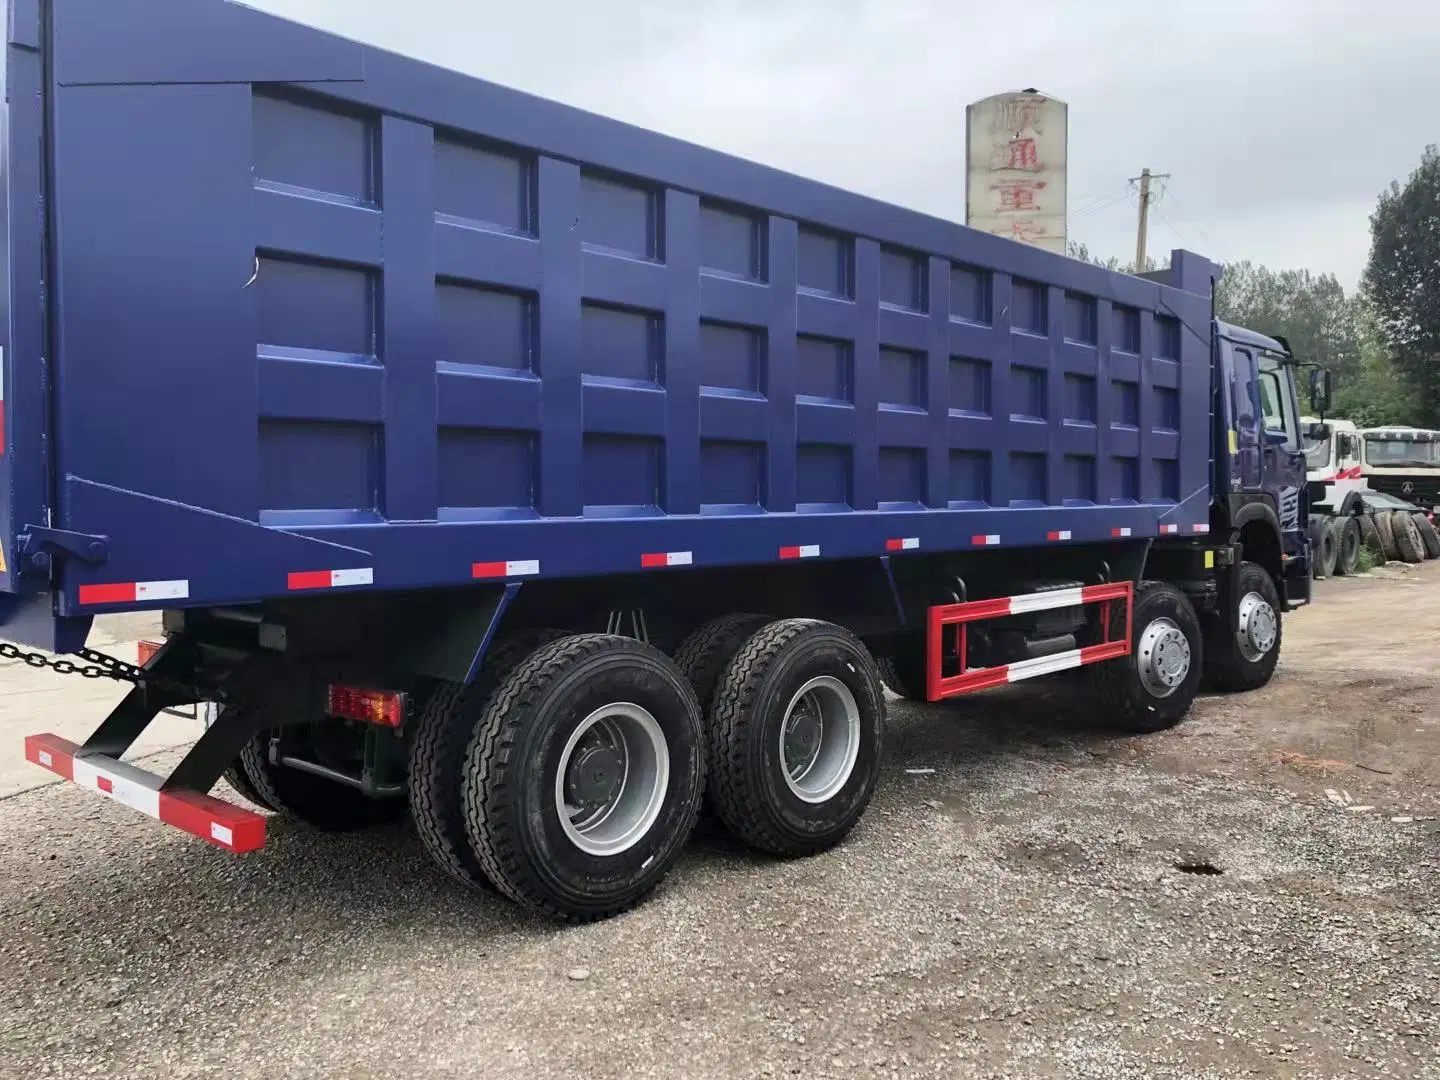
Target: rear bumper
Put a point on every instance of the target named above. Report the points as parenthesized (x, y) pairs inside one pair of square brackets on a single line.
[(212, 820)]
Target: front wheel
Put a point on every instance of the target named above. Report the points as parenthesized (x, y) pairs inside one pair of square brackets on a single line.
[(1349, 557), (1152, 688), (1329, 552), (583, 778), (1244, 658)]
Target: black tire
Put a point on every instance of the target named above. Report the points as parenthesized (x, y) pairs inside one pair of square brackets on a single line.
[(752, 790), (1428, 534), (1370, 538), (1385, 527), (1349, 546), (313, 800), (1122, 694), (1227, 665), (236, 778), (1329, 552), (1407, 537), (704, 655), (902, 667), (512, 768), (437, 756)]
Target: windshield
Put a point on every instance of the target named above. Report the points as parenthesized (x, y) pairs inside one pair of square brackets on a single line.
[(1395, 453), (1317, 453)]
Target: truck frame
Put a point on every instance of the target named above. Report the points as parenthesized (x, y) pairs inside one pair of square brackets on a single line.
[(546, 479)]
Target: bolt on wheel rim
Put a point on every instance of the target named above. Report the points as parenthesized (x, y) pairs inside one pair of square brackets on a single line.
[(1256, 627), (612, 778), (1163, 657), (820, 739)]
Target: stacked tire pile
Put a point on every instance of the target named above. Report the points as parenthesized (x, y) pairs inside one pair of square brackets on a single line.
[(1387, 535)]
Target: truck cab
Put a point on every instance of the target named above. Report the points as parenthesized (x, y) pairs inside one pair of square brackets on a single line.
[(1261, 469), (1403, 462)]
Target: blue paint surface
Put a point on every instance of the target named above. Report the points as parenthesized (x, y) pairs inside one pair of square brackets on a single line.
[(487, 327)]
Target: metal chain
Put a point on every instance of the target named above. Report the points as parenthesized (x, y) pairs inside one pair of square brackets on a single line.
[(95, 665)]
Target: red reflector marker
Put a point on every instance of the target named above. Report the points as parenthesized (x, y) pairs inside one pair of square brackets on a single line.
[(145, 650), (382, 707)]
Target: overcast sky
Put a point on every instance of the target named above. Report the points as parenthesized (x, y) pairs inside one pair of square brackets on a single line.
[(1279, 121)]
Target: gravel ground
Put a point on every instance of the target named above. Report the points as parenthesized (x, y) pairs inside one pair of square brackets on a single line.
[(1253, 894)]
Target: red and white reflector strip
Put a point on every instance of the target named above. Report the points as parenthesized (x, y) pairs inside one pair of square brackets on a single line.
[(1058, 534), (959, 616), (803, 551), (331, 579), (134, 592), (513, 568), (902, 543), (1170, 528), (985, 540), (666, 558), (1120, 532), (212, 820), (1203, 527)]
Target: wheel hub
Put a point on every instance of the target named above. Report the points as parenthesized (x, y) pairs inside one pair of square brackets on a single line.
[(611, 779), (595, 776), (1256, 627), (1163, 657), (820, 739), (802, 739)]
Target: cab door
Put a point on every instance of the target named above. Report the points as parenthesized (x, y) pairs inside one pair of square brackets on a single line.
[(1282, 467)]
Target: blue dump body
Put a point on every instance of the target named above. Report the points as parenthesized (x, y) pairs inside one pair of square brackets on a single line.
[(298, 306)]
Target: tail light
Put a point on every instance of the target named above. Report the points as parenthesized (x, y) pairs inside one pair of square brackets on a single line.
[(145, 650), (384, 708)]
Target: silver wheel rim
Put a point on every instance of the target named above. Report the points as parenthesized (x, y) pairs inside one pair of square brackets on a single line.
[(612, 779), (1256, 627), (820, 739), (1163, 656)]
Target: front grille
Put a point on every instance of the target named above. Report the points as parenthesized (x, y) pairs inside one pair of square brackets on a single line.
[(1424, 489)]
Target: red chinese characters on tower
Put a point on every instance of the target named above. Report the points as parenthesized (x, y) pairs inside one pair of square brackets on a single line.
[(1019, 196), (1022, 155)]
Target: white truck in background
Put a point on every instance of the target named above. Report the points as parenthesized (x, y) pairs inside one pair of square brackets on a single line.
[(1366, 488)]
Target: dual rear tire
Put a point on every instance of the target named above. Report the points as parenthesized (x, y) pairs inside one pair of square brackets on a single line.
[(585, 762)]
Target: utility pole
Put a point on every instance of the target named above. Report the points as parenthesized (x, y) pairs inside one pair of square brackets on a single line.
[(1140, 233)]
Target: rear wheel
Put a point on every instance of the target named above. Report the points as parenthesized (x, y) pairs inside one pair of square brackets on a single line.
[(321, 803), (902, 667), (1428, 535), (1370, 538), (1349, 546), (795, 734), (437, 756), (236, 778), (1244, 658), (1385, 528), (583, 778), (1329, 552), (1152, 688), (1407, 537)]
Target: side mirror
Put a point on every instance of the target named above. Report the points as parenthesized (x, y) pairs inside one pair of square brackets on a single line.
[(1320, 390), (1318, 432)]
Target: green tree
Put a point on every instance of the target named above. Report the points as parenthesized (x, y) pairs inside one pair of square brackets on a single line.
[(1376, 394), (1309, 311), (1402, 280), (1077, 250)]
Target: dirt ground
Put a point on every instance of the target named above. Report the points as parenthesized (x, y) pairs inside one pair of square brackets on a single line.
[(1256, 893)]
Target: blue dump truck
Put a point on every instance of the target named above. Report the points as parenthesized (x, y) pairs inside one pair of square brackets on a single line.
[(546, 479)]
